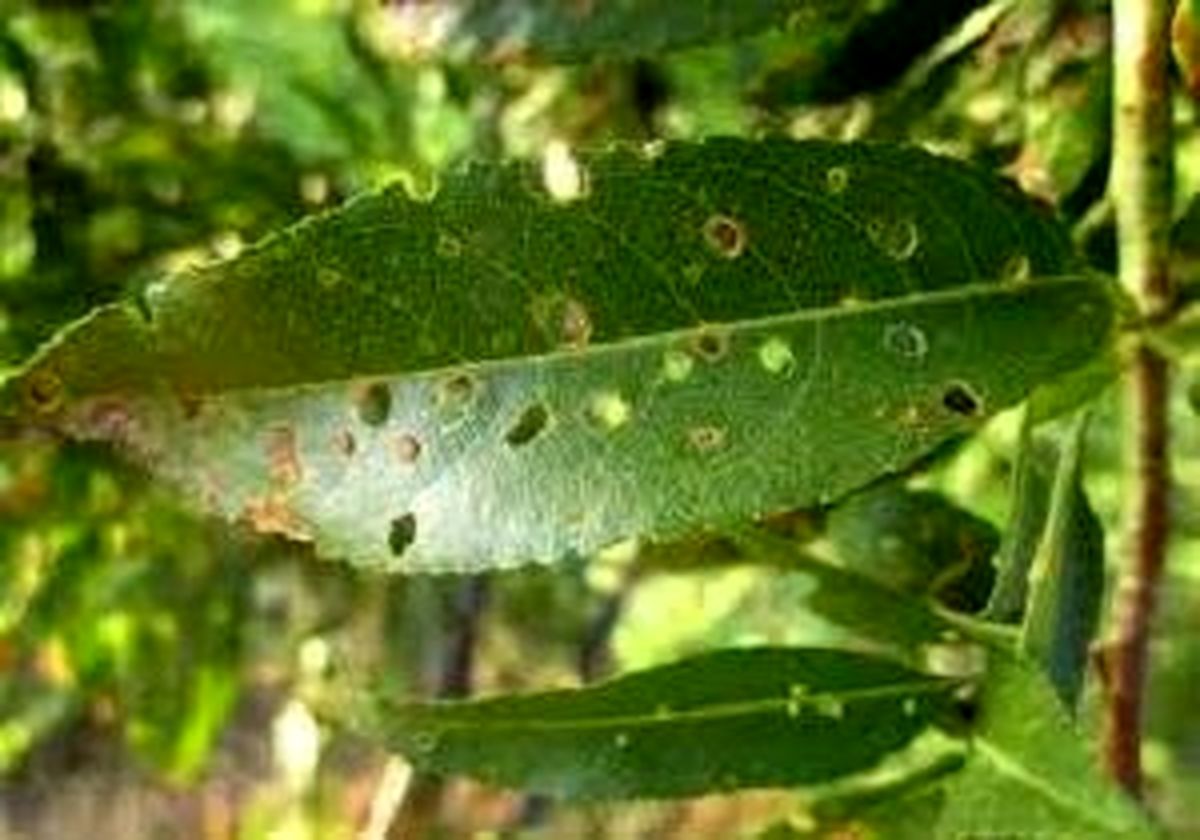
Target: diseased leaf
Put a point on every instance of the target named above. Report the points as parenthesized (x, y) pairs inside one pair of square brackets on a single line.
[(1029, 773), (494, 376), (756, 717), (1067, 577)]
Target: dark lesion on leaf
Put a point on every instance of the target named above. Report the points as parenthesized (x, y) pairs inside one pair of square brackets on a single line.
[(373, 403), (709, 345), (960, 399), (402, 533), (532, 422), (44, 391)]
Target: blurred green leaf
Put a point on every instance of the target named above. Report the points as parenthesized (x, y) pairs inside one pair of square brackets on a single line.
[(568, 428), (1066, 580), (585, 29), (916, 542), (731, 719)]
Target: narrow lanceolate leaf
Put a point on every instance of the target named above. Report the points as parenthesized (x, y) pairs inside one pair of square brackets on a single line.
[(1029, 773), (1067, 577), (576, 30), (497, 375), (757, 717), (1028, 499)]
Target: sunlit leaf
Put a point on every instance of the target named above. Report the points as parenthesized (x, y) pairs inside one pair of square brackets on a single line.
[(504, 374)]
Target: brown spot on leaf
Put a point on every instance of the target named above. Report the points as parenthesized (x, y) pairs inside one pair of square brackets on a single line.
[(283, 461), (271, 514), (960, 399), (456, 390), (726, 236), (345, 442), (44, 391), (407, 448), (707, 438)]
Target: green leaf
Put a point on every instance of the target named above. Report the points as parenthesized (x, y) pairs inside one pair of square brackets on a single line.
[(1028, 501), (1067, 577), (1029, 772), (755, 717), (493, 376), (583, 29)]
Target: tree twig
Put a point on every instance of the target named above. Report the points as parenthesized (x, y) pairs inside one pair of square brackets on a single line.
[(1140, 184)]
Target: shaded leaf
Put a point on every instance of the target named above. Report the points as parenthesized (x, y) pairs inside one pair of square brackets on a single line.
[(756, 717), (917, 542), (492, 376), (1067, 577)]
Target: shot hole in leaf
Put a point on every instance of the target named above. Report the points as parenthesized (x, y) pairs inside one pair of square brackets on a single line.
[(402, 533), (960, 399), (529, 425), (374, 403)]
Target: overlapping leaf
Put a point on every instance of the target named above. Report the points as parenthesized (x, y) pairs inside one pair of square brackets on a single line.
[(1067, 577), (660, 342), (732, 719)]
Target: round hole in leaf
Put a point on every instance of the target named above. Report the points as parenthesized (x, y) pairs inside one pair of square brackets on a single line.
[(530, 424), (960, 399), (402, 533), (374, 403), (408, 448)]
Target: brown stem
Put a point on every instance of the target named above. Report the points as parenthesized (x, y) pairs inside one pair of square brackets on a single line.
[(1140, 185)]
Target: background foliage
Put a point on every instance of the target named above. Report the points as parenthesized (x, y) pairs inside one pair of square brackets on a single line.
[(152, 666)]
